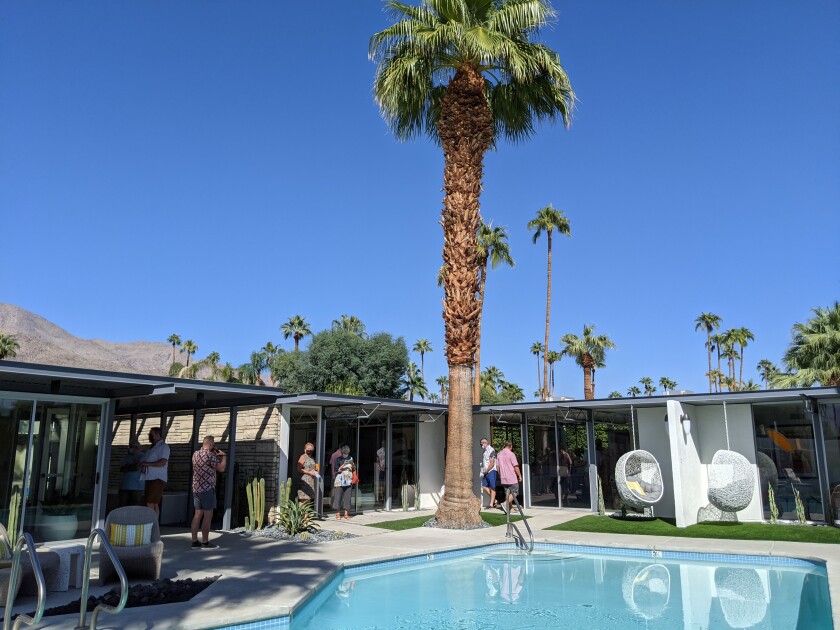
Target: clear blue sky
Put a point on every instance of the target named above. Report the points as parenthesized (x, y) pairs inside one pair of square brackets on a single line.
[(211, 168)]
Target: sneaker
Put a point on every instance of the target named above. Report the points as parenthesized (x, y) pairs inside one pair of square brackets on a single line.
[(209, 545), (196, 545)]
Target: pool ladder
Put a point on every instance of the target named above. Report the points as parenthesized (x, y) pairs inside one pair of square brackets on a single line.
[(513, 530), (104, 545)]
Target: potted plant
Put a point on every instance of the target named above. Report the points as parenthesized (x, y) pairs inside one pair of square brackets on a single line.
[(59, 520)]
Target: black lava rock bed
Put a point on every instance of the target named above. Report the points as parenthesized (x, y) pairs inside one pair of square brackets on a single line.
[(154, 594)]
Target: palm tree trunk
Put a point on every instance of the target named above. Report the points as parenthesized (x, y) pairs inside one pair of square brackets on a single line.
[(588, 387), (188, 358), (741, 371), (297, 341), (539, 383), (547, 318), (709, 352), (173, 354), (481, 284), (465, 127)]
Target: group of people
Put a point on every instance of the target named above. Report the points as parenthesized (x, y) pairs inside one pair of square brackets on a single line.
[(344, 477), (145, 474), (501, 467)]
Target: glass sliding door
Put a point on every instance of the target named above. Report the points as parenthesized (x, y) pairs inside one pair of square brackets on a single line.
[(405, 475), (15, 418), (338, 433), (370, 492), (613, 439), (543, 466), (787, 458), (574, 488), (830, 419)]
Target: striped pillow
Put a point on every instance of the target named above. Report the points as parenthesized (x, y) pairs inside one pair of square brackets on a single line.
[(131, 535)]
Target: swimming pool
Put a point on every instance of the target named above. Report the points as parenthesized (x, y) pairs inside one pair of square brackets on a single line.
[(570, 586)]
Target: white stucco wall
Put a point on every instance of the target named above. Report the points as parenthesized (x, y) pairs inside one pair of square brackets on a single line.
[(654, 439), (283, 443), (431, 439), (689, 474), (712, 438)]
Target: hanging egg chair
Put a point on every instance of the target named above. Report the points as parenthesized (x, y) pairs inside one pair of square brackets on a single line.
[(638, 478), (731, 477)]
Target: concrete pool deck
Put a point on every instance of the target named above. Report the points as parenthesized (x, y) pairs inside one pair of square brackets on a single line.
[(263, 578)]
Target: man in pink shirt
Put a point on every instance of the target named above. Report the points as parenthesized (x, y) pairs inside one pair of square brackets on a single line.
[(510, 476)]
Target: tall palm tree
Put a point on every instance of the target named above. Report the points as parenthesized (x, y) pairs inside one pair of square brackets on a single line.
[(814, 353), (552, 357), (297, 328), (8, 346), (443, 383), (718, 342), (667, 384), (466, 73), (350, 324), (730, 352), (414, 383), (633, 391), (708, 322), (422, 346), (766, 370), (647, 383), (175, 341), (537, 348), (547, 220), (190, 347), (742, 337), (493, 248), (717, 378), (589, 352)]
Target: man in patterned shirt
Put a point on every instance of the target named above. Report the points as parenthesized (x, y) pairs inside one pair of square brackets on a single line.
[(206, 461)]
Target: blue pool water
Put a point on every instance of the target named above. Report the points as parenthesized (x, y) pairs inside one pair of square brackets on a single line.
[(559, 587)]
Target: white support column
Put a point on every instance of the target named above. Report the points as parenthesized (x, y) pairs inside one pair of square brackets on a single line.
[(283, 443), (687, 470)]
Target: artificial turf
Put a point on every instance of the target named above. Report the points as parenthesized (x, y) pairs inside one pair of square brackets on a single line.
[(491, 518), (732, 531)]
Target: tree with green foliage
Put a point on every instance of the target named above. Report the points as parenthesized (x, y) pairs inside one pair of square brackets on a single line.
[(175, 341), (614, 394), (633, 391), (9, 346), (297, 328), (493, 248), (647, 383), (414, 383), (250, 373), (537, 348), (667, 384), (766, 370), (211, 361), (552, 357), (708, 322), (742, 336), (289, 372), (443, 383), (547, 220), (467, 73), (350, 324), (589, 352), (190, 347), (422, 346), (814, 353)]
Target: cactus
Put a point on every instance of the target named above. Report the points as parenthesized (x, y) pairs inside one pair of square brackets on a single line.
[(255, 491), (800, 509), (602, 509), (774, 509), (14, 513)]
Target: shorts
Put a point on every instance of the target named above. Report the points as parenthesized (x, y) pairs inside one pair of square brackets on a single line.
[(511, 488), (205, 500), (154, 490), (381, 475), (489, 480)]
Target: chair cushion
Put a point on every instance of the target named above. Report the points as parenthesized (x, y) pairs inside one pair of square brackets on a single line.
[(130, 535)]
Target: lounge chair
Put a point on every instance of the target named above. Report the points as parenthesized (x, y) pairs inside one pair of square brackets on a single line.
[(140, 561)]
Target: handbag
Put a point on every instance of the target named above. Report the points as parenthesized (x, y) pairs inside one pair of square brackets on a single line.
[(355, 478)]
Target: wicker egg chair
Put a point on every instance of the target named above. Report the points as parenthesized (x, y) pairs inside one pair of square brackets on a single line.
[(639, 479), (731, 478)]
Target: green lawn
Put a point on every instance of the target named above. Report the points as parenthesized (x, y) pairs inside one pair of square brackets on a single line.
[(733, 531), (491, 518)]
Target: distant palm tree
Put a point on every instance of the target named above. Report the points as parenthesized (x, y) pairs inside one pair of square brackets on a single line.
[(8, 346), (814, 353), (547, 220), (589, 352), (493, 248), (350, 324), (491, 377), (212, 361), (742, 336), (708, 322), (227, 374), (766, 370), (537, 349), (750, 386), (190, 347), (614, 394), (633, 391), (552, 357), (717, 378), (270, 350), (667, 384), (730, 352), (297, 328), (414, 383), (647, 383), (718, 342), (434, 398), (175, 340), (443, 383), (422, 346), (511, 392), (251, 373), (730, 383), (189, 371)]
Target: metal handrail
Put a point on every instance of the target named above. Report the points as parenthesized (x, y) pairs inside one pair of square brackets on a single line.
[(112, 610), (511, 527), (24, 540)]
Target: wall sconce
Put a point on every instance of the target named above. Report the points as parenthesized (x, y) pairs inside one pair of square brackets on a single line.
[(686, 423)]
